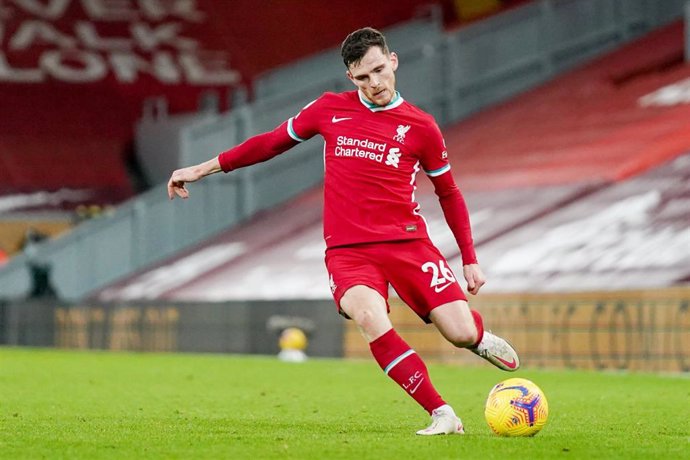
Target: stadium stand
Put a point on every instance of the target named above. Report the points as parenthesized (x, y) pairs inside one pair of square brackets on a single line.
[(605, 121), (591, 239)]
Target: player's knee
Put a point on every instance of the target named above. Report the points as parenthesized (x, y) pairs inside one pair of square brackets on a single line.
[(463, 336), (365, 318), (362, 304), (367, 309)]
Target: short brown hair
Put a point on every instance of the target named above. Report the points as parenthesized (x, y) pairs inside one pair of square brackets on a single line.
[(356, 45)]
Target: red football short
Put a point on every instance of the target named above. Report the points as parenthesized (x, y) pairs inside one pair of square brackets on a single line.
[(415, 268)]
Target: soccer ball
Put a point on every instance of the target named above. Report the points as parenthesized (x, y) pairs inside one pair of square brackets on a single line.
[(516, 407)]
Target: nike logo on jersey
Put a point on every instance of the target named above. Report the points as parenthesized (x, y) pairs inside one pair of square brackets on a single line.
[(338, 120)]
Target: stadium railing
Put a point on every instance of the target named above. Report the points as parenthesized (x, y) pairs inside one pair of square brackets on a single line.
[(454, 74), (232, 327), (645, 330), (450, 75)]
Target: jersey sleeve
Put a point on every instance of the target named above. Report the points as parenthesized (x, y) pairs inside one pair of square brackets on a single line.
[(306, 124), (434, 160), (456, 214), (263, 147), (434, 156), (256, 149)]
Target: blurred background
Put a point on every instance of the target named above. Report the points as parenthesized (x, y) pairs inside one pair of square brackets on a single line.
[(567, 123)]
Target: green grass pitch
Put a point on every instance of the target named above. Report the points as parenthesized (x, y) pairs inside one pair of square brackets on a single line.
[(70, 404)]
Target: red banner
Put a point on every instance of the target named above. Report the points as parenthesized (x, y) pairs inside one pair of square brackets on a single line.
[(74, 73)]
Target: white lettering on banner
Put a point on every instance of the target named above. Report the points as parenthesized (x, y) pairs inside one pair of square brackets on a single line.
[(32, 33), (89, 36), (61, 66), (75, 66), (111, 10), (91, 50), (146, 37), (164, 34), (51, 9), (157, 10)]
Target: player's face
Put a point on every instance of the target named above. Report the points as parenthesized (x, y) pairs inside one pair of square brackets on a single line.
[(374, 75)]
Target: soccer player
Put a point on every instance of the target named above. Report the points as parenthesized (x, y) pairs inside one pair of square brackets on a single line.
[(375, 144)]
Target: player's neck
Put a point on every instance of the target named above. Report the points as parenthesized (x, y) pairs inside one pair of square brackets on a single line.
[(394, 102)]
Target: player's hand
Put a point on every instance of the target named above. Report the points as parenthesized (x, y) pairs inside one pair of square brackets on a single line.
[(474, 276), (176, 184)]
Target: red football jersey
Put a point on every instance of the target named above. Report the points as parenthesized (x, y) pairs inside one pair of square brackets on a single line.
[(372, 155)]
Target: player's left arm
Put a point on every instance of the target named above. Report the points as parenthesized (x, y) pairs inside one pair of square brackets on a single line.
[(437, 167), (458, 218)]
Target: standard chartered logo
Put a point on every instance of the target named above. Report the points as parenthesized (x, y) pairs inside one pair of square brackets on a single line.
[(360, 148), (393, 157), (365, 148)]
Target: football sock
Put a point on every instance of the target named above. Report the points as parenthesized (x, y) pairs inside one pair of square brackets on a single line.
[(479, 322), (406, 368)]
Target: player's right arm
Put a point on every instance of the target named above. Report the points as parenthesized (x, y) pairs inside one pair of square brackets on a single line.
[(256, 149), (179, 177), (265, 146)]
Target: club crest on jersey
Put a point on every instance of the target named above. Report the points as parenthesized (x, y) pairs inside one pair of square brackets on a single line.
[(401, 131)]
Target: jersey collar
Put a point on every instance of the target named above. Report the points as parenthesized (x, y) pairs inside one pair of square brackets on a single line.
[(395, 102)]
